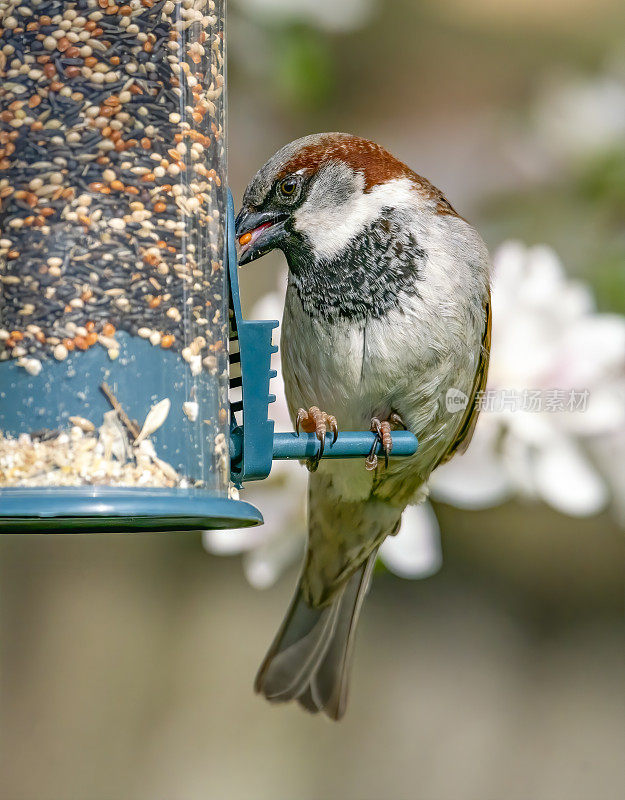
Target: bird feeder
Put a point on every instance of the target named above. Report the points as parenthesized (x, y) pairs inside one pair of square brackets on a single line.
[(118, 278)]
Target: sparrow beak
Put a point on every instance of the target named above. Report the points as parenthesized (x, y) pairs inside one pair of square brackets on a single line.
[(258, 232)]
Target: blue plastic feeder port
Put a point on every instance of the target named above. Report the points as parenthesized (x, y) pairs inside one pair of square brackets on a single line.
[(141, 377)]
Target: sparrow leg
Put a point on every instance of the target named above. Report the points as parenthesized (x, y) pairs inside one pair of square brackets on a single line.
[(383, 429), (319, 423)]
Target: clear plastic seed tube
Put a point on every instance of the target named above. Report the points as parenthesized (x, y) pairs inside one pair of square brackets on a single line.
[(113, 307)]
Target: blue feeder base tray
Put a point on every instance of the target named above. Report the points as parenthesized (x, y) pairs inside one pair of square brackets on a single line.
[(117, 510)]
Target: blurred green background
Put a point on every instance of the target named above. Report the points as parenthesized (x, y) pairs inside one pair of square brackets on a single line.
[(127, 661)]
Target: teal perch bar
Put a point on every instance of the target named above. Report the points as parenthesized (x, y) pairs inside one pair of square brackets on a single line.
[(353, 444)]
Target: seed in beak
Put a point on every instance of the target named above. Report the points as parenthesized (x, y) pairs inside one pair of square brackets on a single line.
[(243, 240)]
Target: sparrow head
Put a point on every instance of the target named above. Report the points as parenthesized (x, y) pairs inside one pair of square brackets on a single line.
[(317, 194)]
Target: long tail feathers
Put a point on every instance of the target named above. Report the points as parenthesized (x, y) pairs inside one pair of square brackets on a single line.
[(310, 657)]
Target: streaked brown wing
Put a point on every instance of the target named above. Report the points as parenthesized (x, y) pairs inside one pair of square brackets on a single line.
[(469, 421)]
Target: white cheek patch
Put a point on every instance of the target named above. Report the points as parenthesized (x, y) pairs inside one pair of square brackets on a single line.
[(331, 227)]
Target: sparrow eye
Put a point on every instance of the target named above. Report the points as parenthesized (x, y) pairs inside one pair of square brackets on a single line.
[(288, 186)]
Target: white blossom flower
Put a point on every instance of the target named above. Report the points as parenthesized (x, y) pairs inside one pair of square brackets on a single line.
[(562, 366), (328, 14)]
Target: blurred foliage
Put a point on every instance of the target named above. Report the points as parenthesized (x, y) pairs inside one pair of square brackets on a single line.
[(304, 72), (582, 215), (603, 182)]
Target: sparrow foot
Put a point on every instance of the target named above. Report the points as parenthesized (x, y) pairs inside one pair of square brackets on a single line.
[(318, 422), (382, 429)]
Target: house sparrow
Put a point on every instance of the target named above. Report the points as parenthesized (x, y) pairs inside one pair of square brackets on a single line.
[(386, 324)]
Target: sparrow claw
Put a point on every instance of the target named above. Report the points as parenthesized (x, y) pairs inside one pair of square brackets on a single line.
[(397, 421), (322, 444), (302, 415), (371, 461), (318, 422), (382, 430)]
